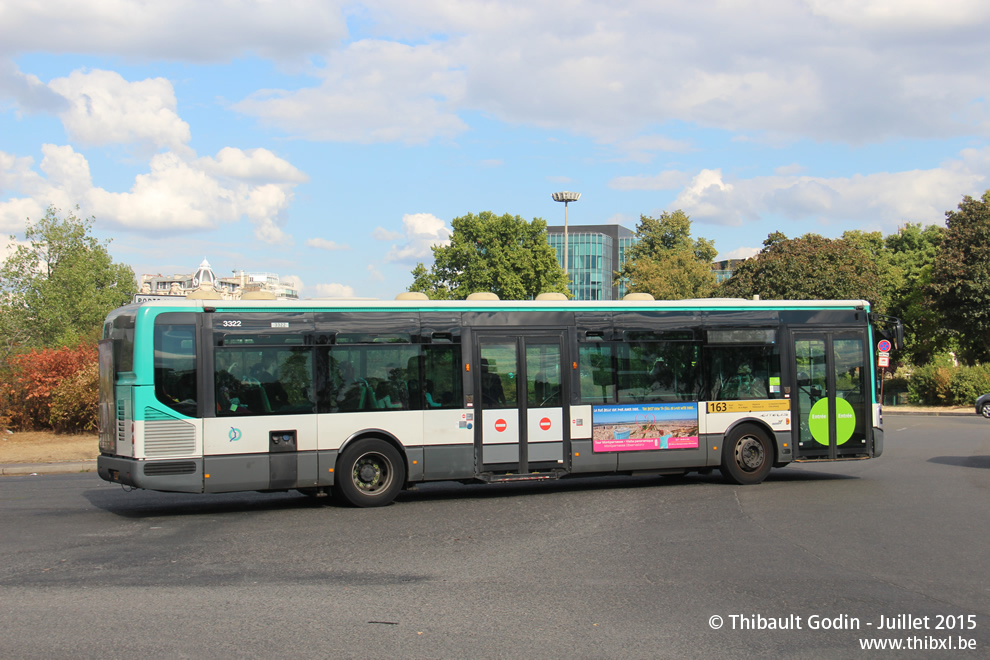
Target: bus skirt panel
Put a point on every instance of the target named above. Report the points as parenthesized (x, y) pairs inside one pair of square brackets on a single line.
[(177, 476)]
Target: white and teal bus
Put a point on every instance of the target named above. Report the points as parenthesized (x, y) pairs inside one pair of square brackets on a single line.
[(365, 398)]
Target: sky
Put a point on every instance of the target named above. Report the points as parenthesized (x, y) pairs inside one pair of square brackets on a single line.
[(332, 142)]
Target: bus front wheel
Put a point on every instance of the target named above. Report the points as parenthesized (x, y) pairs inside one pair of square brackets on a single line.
[(747, 456), (370, 473)]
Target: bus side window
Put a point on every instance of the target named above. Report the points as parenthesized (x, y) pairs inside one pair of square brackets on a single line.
[(364, 377), (353, 391), (285, 376), (442, 376), (659, 371), (737, 373), (596, 373)]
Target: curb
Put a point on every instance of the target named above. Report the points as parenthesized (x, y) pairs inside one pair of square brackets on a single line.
[(36, 469), (933, 413)]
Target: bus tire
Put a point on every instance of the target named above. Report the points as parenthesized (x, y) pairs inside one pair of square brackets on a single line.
[(370, 473), (747, 455)]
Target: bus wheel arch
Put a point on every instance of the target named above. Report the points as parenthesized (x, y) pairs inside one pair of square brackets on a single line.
[(370, 470), (748, 453)]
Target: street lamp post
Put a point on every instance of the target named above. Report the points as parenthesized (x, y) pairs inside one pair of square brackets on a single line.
[(566, 197)]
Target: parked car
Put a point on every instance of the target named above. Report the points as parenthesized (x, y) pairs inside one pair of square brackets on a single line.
[(983, 405)]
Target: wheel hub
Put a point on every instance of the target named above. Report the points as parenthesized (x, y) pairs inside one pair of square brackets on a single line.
[(371, 474), (749, 454), (368, 473)]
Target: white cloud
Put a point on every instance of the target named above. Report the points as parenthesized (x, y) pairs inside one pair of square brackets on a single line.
[(66, 181), (643, 148), (668, 180), (16, 173), (27, 91), (252, 165), (822, 69), (880, 200), (266, 206), (422, 231), (788, 170), (707, 196), (294, 281), (104, 108), (175, 194), (179, 29), (324, 244), (373, 91), (787, 68), (899, 14), (382, 234), (738, 253), (333, 291), (374, 274)]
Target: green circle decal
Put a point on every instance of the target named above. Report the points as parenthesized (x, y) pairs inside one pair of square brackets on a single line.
[(845, 423)]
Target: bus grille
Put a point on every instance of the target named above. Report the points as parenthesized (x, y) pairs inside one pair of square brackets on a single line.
[(121, 422), (166, 436), (175, 467)]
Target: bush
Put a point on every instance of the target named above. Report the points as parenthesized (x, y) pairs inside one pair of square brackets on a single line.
[(74, 406), (33, 377), (930, 385), (6, 378), (940, 384), (968, 383), (896, 385)]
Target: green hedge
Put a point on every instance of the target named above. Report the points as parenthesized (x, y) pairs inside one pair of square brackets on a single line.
[(946, 385)]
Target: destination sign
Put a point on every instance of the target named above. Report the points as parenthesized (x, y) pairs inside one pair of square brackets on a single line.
[(748, 406)]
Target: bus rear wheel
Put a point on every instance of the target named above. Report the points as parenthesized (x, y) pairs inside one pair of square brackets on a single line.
[(747, 456), (369, 473)]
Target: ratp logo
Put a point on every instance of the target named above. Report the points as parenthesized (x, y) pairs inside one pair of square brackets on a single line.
[(234, 435)]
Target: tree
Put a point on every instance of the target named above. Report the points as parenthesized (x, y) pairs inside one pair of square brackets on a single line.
[(666, 262), (808, 268), (504, 255), (61, 284), (773, 238), (912, 256), (37, 377), (874, 247), (959, 291)]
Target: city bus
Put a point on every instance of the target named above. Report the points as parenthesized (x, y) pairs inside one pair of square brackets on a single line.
[(364, 398)]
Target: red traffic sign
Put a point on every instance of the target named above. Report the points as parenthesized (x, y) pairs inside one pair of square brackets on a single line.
[(500, 425), (883, 346), (545, 423)]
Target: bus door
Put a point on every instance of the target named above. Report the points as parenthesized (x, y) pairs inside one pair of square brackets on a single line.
[(520, 405), (831, 400)]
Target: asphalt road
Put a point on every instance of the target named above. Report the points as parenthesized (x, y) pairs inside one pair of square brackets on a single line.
[(626, 567)]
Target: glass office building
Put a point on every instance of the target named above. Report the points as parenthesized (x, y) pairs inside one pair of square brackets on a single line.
[(723, 269), (594, 254), (597, 252)]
